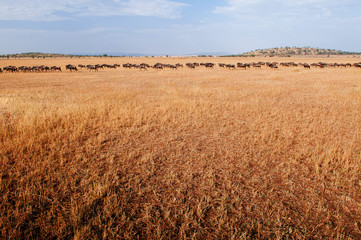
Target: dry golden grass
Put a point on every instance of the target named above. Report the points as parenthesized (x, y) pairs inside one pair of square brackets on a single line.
[(184, 154)]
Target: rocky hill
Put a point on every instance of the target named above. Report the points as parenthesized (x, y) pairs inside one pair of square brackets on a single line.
[(295, 51)]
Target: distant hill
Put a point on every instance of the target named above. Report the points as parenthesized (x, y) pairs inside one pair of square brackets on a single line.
[(270, 52), (107, 54), (295, 51), (57, 55), (37, 55)]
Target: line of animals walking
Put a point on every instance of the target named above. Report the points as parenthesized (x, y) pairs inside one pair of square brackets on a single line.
[(161, 66)]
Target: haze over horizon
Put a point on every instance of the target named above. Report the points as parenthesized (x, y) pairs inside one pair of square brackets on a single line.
[(177, 27)]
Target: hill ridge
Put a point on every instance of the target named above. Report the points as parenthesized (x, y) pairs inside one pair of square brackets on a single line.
[(295, 51)]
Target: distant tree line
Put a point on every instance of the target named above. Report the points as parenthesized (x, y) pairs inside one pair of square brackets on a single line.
[(48, 55)]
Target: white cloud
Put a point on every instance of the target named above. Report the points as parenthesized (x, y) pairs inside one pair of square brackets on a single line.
[(323, 8), (52, 10)]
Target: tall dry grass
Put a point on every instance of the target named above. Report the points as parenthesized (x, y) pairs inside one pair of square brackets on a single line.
[(204, 154)]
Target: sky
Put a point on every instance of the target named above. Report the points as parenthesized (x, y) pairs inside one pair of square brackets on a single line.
[(177, 27)]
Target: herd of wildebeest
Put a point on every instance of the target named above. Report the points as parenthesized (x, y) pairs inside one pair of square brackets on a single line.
[(160, 66)]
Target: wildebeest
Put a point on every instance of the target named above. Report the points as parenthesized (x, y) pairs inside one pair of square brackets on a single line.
[(127, 65), (145, 65), (357, 65), (114, 66), (209, 65), (158, 66), (253, 64), (306, 65), (242, 65), (35, 69), (190, 65), (92, 67), (25, 69), (142, 67), (11, 69), (55, 68), (272, 65), (41, 68), (71, 67), (288, 64), (99, 66), (230, 66), (172, 66)]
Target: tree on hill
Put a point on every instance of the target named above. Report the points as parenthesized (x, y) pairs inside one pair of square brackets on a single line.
[(297, 51)]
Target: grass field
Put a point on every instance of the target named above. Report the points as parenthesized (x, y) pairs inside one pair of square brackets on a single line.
[(180, 154)]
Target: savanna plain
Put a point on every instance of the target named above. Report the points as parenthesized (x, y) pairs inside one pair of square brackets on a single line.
[(180, 154)]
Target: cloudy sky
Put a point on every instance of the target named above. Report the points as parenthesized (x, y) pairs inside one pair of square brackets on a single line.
[(159, 27)]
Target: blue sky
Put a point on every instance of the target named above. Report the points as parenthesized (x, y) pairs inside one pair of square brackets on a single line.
[(160, 27)]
